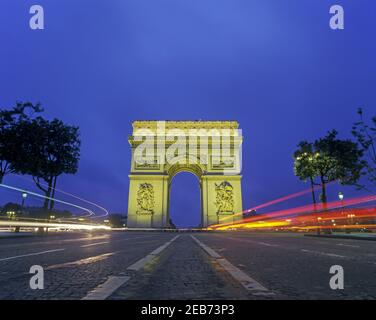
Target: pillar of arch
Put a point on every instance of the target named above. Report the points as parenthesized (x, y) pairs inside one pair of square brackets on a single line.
[(218, 172)]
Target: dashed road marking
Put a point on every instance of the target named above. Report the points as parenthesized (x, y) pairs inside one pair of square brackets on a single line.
[(347, 245), (333, 255), (81, 262), (255, 242), (244, 279), (89, 260), (94, 244), (103, 291), (113, 241), (30, 254), (268, 244)]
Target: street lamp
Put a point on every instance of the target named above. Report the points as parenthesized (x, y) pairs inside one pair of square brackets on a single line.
[(24, 196), (340, 197), (319, 225)]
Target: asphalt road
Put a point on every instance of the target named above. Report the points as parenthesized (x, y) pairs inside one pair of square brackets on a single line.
[(153, 265)]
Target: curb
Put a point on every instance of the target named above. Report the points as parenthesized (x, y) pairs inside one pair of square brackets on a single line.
[(335, 236), (16, 237)]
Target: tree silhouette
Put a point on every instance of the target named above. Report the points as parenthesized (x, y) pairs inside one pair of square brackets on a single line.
[(11, 141), (50, 148), (305, 166), (366, 136), (329, 159)]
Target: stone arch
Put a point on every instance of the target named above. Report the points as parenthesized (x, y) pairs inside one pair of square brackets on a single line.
[(219, 177), (195, 169)]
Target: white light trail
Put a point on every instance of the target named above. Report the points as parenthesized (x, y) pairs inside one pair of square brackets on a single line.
[(49, 198), (72, 195), (72, 226)]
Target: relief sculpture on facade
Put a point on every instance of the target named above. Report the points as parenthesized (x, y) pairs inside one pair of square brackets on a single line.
[(145, 199), (224, 198)]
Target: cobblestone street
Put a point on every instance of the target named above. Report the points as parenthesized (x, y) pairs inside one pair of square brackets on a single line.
[(162, 265)]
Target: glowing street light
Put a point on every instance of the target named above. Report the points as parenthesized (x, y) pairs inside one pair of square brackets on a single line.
[(319, 225), (340, 197), (24, 196), (11, 214)]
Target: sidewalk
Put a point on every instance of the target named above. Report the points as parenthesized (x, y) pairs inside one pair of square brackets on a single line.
[(15, 234), (354, 236)]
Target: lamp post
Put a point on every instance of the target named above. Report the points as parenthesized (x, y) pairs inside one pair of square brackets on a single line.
[(319, 225), (340, 197), (24, 196)]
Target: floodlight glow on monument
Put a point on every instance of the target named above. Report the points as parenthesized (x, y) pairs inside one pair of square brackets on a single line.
[(211, 150)]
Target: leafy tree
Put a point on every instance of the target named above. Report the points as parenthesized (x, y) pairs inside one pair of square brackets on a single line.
[(15, 208), (50, 148), (10, 139), (305, 165), (366, 136), (337, 160), (329, 159)]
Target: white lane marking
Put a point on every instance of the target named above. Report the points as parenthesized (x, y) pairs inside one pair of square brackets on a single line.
[(244, 279), (268, 244), (80, 239), (94, 244), (256, 242), (31, 254), (333, 255), (142, 237), (81, 262), (347, 245), (242, 240), (104, 242), (208, 250), (143, 261), (89, 260), (105, 289)]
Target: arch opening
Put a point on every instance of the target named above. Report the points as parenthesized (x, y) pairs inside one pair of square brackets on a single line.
[(185, 209)]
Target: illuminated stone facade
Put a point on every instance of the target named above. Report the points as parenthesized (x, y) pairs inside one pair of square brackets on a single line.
[(211, 150)]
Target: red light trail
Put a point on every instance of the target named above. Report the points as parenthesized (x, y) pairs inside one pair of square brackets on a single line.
[(315, 215)]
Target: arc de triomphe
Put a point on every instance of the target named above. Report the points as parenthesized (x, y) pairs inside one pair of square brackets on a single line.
[(211, 150)]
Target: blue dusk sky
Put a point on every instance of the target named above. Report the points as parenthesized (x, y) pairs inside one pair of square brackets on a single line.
[(274, 66)]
